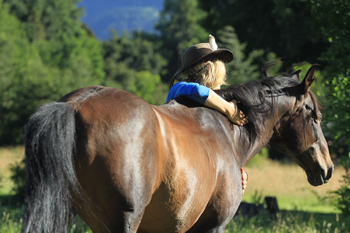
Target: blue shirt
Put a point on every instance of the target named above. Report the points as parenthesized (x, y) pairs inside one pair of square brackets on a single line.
[(194, 91)]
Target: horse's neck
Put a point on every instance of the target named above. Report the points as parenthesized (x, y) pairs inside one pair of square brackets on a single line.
[(281, 106)]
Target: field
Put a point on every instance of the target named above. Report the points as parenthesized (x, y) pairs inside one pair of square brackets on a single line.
[(304, 208)]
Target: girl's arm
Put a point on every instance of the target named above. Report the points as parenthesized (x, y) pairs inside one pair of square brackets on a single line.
[(230, 109), (209, 98)]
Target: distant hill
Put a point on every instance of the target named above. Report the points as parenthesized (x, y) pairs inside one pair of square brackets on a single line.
[(121, 15)]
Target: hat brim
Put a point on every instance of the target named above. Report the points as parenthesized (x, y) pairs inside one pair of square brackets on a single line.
[(224, 55)]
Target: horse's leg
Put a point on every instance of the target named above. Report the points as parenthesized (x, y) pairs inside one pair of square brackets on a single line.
[(223, 204)]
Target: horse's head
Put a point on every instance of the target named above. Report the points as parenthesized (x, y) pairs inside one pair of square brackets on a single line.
[(299, 133)]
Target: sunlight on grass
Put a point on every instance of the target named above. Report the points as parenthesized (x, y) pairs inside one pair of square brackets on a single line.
[(8, 156), (288, 183)]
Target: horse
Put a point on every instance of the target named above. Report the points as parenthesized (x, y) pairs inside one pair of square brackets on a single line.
[(124, 165)]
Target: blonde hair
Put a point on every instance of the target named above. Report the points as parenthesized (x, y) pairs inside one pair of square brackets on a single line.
[(211, 74)]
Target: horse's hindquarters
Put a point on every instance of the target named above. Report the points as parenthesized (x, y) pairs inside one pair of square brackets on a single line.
[(116, 159)]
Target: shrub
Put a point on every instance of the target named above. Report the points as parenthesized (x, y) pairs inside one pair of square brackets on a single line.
[(342, 199), (19, 177)]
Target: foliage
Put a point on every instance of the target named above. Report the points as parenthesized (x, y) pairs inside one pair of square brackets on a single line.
[(342, 195), (40, 63), (179, 27), (243, 68), (339, 122), (333, 26), (282, 27), (19, 177), (339, 108), (134, 65)]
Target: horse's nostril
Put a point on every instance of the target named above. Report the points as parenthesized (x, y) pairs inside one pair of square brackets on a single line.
[(330, 172)]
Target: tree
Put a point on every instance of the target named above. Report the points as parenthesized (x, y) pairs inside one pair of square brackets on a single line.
[(338, 117), (244, 67), (132, 64), (38, 66), (20, 70), (334, 27), (179, 27), (282, 27)]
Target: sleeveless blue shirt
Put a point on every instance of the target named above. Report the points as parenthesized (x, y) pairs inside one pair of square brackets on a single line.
[(194, 91)]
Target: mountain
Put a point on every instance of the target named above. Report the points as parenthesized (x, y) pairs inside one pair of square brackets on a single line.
[(103, 15)]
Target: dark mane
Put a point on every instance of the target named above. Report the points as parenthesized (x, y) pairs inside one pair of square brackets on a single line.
[(256, 100)]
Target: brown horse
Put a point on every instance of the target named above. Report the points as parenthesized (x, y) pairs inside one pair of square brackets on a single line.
[(124, 165)]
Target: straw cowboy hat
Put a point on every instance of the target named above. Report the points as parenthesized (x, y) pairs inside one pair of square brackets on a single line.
[(203, 52)]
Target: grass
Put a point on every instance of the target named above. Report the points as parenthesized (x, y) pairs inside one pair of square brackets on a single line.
[(291, 221), (8, 156), (288, 183), (304, 207)]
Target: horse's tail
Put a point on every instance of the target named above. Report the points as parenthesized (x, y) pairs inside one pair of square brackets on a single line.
[(49, 148)]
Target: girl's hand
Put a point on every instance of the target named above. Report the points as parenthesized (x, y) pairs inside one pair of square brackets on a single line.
[(235, 115), (244, 179)]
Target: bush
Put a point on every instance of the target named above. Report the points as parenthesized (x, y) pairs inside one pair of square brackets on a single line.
[(338, 121), (19, 177), (342, 199)]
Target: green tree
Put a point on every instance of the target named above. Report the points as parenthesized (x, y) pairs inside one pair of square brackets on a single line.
[(20, 70), (244, 67), (282, 27), (334, 27), (63, 42), (179, 27), (339, 123), (132, 64), (41, 68)]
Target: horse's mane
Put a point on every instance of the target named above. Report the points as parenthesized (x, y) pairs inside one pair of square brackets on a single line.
[(256, 100)]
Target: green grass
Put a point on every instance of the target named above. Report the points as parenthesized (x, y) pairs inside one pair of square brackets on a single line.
[(11, 218), (291, 221)]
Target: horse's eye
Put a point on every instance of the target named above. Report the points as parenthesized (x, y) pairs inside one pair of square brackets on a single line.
[(308, 107), (316, 116)]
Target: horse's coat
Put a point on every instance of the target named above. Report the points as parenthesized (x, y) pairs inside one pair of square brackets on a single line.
[(169, 168)]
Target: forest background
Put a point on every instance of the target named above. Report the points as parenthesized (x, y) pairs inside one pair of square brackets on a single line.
[(47, 51)]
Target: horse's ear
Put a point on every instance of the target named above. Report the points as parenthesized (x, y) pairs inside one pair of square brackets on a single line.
[(309, 79), (296, 75)]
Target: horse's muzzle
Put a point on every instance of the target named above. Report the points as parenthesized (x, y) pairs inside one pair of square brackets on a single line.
[(320, 177)]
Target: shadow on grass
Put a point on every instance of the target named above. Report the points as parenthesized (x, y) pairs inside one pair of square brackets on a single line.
[(11, 200), (11, 215), (290, 221)]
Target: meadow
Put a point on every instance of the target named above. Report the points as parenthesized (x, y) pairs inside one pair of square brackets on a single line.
[(304, 208)]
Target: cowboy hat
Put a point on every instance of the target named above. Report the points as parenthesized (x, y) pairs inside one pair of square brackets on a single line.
[(203, 52)]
